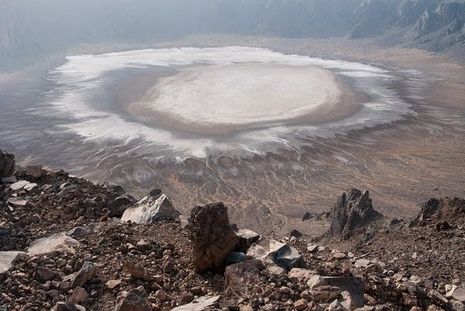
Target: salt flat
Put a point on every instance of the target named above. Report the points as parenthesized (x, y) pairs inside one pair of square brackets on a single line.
[(239, 96)]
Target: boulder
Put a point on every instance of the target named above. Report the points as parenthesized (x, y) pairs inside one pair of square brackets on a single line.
[(7, 164), (353, 210), (7, 259), (199, 304), (134, 300), (118, 206), (212, 236), (59, 242), (439, 209), (154, 207), (280, 253)]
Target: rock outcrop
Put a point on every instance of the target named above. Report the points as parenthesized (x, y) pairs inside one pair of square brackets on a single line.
[(7, 166), (435, 210), (212, 236), (154, 207), (353, 210)]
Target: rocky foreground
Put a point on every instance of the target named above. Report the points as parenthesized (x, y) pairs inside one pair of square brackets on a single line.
[(69, 244)]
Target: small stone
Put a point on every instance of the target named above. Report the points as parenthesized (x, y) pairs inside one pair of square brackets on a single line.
[(161, 295), (362, 263), (245, 308), (143, 245), (63, 306), (415, 279), (275, 270), (35, 171), (339, 256), (79, 295), (197, 290), (301, 275), (301, 304), (43, 274), (186, 297), (111, 284), (312, 248), (84, 274), (134, 300)]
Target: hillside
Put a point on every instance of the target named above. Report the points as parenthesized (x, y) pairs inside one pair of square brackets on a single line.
[(69, 244), (28, 27)]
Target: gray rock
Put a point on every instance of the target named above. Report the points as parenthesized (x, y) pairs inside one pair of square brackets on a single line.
[(19, 185), (86, 273), (352, 210), (59, 242), (199, 304), (16, 202), (154, 207), (212, 236), (7, 259), (280, 253), (362, 263), (246, 239)]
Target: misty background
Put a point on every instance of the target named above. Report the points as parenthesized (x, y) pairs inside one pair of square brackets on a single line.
[(34, 27)]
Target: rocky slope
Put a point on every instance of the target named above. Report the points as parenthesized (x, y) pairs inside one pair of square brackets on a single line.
[(69, 244)]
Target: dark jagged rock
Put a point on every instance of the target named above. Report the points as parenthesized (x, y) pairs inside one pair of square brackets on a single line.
[(7, 165), (438, 209), (212, 236), (120, 204), (352, 210), (246, 239), (307, 216)]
